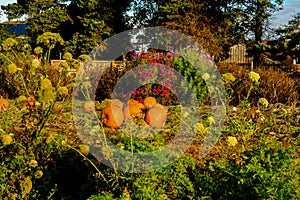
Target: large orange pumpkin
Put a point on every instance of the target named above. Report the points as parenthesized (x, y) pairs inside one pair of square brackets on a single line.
[(113, 116), (117, 102), (160, 106), (156, 117), (4, 104), (149, 101)]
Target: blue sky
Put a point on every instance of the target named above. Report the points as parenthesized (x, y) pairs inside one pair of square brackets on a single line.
[(290, 8)]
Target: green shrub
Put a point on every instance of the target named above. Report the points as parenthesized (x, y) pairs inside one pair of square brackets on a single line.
[(264, 172)]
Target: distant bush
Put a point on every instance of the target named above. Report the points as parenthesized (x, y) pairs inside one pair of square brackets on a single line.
[(274, 85)]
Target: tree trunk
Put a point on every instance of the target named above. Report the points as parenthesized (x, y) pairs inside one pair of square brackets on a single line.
[(258, 31)]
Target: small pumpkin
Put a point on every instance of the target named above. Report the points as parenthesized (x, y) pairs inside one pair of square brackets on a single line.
[(89, 106), (133, 111), (4, 105), (117, 102), (140, 105), (149, 101), (132, 102), (112, 116), (156, 117), (31, 101)]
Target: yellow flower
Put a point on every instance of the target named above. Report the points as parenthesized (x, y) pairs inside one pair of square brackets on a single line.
[(26, 48), (228, 78), (38, 174), (6, 139), (231, 141), (64, 65), (205, 76), (9, 43), (263, 102), (201, 128), (47, 95), (38, 50), (33, 163), (284, 111), (37, 104), (84, 149), (12, 68), (45, 83), (35, 63), (84, 58), (68, 56), (63, 91), (127, 194), (21, 99), (26, 186), (211, 120), (50, 138), (254, 77)]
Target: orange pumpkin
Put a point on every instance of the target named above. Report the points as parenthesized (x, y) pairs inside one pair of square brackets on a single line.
[(117, 102), (160, 106), (113, 116), (89, 106), (156, 117), (132, 102), (140, 105), (31, 101), (4, 104), (149, 101), (133, 111)]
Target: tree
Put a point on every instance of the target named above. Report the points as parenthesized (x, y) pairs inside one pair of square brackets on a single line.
[(82, 23), (288, 43), (143, 13), (42, 16), (93, 21), (211, 23), (3, 32), (254, 15)]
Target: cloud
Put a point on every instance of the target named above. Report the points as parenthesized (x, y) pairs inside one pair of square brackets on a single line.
[(5, 2), (290, 8)]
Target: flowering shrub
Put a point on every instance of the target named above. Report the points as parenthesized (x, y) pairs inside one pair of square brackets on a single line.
[(27, 73), (162, 71), (165, 64)]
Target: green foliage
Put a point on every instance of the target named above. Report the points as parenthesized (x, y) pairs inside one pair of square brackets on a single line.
[(82, 24), (256, 157), (262, 173), (288, 40), (193, 76), (3, 33), (41, 164), (253, 19), (49, 41), (25, 160), (198, 20)]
